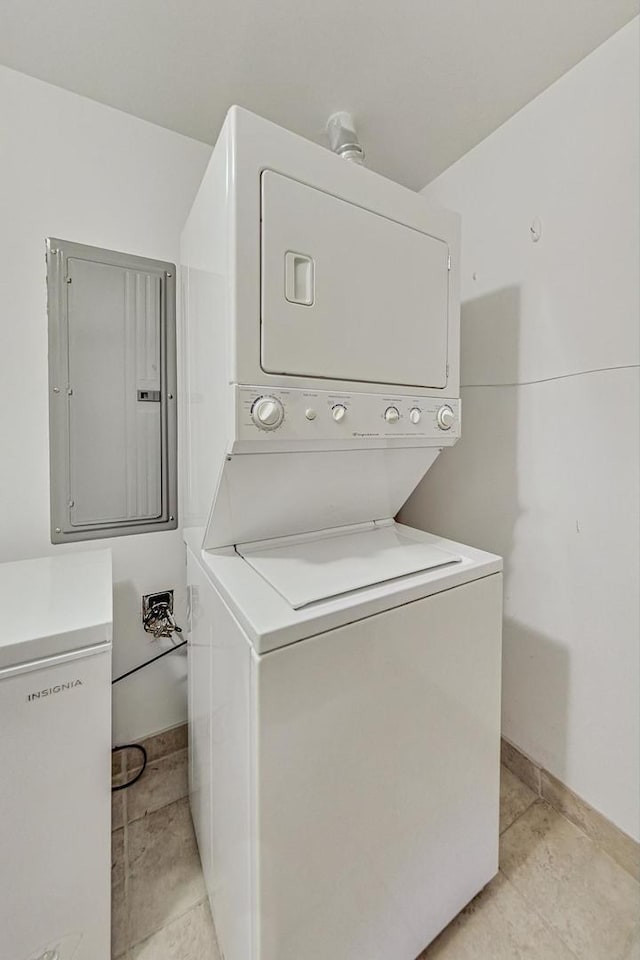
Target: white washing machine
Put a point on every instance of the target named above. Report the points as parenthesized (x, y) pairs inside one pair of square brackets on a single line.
[(345, 727), (344, 670)]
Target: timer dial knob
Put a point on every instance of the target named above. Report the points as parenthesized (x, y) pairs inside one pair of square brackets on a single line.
[(339, 412), (392, 414), (446, 417), (415, 415), (267, 413)]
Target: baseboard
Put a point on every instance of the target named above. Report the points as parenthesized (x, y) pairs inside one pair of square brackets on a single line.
[(621, 847)]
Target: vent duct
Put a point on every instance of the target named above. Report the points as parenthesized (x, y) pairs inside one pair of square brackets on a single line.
[(343, 138)]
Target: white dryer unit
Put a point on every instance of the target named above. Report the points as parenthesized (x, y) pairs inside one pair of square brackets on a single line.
[(321, 316), (344, 670)]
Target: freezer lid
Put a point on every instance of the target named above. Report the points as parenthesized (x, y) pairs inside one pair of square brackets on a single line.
[(308, 569), (54, 605)]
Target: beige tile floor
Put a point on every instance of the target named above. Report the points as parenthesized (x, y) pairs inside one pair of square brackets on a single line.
[(557, 895)]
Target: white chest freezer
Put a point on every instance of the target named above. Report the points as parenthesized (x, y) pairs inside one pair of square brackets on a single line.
[(55, 750)]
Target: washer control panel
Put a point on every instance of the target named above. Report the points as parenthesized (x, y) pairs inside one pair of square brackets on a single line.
[(320, 415)]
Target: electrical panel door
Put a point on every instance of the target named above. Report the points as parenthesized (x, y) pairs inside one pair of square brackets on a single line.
[(348, 294), (114, 413), (112, 394)]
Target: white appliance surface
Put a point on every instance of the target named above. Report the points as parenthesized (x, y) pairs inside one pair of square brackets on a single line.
[(323, 489), (271, 622), (54, 604), (368, 752), (377, 244), (344, 670), (55, 757), (307, 569), (349, 274), (370, 303)]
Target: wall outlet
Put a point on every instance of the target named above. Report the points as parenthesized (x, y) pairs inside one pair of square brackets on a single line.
[(157, 614), (162, 600)]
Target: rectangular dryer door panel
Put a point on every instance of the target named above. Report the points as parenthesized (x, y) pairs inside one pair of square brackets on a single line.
[(348, 294)]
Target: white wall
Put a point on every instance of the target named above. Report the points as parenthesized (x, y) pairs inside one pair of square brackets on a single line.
[(547, 470), (72, 168)]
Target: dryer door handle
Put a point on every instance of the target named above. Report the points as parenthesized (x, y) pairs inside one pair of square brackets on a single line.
[(299, 278)]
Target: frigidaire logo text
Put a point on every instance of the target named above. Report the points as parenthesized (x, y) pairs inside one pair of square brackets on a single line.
[(59, 688)]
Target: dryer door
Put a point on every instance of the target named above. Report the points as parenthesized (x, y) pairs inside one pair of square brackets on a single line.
[(348, 294)]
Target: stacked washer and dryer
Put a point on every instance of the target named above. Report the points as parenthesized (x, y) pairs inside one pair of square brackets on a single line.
[(344, 669)]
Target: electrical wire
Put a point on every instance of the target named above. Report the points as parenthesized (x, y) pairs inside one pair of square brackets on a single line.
[(131, 746), (141, 666), (138, 746), (561, 376)]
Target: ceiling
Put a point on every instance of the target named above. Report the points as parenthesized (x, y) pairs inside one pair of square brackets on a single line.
[(425, 79)]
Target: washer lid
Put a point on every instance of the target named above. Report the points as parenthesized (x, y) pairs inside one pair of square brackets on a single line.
[(315, 567)]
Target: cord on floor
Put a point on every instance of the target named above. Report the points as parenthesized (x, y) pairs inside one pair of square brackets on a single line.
[(131, 746)]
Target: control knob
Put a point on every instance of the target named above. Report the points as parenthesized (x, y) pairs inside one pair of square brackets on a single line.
[(446, 417), (415, 415), (392, 414), (267, 413), (339, 412)]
